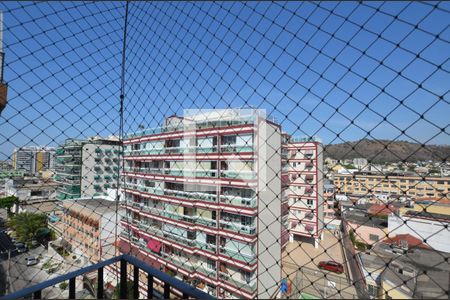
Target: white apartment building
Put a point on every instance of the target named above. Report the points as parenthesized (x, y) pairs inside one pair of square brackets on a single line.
[(87, 168), (203, 201), (306, 201)]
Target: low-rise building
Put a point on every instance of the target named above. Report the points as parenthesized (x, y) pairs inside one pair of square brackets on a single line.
[(90, 226), (415, 274), (367, 229), (432, 228), (30, 188), (371, 183)]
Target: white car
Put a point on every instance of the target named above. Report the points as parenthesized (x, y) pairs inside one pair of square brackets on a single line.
[(31, 261)]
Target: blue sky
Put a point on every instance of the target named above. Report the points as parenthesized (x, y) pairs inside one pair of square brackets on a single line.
[(340, 71)]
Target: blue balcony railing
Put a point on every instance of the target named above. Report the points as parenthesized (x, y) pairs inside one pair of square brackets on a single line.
[(170, 283)]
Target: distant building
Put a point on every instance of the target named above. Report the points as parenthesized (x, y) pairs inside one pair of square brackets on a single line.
[(417, 274), (306, 199), (367, 229), (34, 194), (360, 163), (33, 159), (30, 188), (432, 228), (86, 168), (369, 184), (90, 226), (6, 166)]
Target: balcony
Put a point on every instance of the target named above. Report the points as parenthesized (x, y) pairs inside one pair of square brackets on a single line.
[(179, 261), (238, 255), (236, 148), (242, 285), (171, 285), (237, 200), (238, 174), (191, 195), (237, 227), (179, 239), (192, 173)]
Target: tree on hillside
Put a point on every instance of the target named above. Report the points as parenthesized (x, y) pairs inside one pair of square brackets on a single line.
[(27, 225), (7, 203)]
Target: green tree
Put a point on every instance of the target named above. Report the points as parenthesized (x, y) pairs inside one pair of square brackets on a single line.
[(8, 202), (116, 292), (27, 225)]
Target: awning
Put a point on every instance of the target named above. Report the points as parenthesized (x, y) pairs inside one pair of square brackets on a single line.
[(154, 245)]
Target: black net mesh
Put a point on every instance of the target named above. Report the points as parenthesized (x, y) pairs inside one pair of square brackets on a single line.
[(250, 149)]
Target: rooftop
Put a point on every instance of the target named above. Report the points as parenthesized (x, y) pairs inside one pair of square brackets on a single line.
[(91, 206)]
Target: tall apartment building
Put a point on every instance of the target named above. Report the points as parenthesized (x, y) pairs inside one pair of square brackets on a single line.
[(306, 202), (369, 184), (33, 159), (87, 168), (203, 200)]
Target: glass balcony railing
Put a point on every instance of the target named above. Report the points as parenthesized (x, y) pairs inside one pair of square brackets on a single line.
[(179, 261), (149, 228), (206, 246), (247, 286), (191, 195), (237, 227), (236, 148), (191, 172), (198, 125), (205, 270), (179, 239), (236, 254), (237, 200), (171, 150), (235, 174)]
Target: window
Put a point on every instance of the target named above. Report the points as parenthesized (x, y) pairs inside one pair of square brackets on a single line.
[(246, 276), (372, 290), (310, 202), (210, 239), (211, 264), (374, 237)]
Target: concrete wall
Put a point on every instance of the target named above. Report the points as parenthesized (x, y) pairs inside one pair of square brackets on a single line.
[(269, 208)]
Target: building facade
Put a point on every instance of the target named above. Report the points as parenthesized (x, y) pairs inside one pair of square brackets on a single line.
[(430, 227), (30, 188), (87, 167), (306, 200), (89, 226), (372, 184), (203, 202), (33, 159)]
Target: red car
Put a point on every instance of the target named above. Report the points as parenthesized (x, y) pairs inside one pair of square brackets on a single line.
[(331, 266)]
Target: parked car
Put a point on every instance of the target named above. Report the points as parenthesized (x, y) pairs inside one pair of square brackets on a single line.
[(31, 261), (331, 266), (21, 248)]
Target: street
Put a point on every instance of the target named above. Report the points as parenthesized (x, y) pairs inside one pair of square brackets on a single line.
[(352, 264)]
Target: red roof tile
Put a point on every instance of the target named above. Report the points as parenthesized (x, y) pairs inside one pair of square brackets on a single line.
[(411, 240)]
